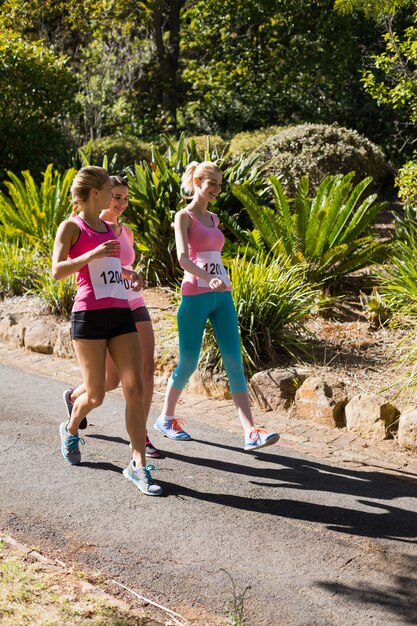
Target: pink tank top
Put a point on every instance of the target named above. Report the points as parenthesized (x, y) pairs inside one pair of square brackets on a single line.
[(205, 244), (100, 282), (127, 258)]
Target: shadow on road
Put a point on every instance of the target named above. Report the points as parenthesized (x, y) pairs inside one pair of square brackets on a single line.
[(398, 598), (382, 520)]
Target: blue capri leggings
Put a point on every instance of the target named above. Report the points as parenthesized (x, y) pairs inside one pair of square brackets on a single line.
[(193, 313)]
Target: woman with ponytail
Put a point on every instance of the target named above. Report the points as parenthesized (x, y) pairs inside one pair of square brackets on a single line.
[(101, 320), (206, 295)]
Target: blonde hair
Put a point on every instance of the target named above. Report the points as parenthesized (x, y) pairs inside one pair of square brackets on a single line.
[(197, 170), (87, 178)]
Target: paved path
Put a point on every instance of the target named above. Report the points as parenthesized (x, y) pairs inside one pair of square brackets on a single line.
[(322, 528)]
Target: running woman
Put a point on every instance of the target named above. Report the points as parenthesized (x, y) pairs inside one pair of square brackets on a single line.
[(112, 215), (101, 319), (206, 295)]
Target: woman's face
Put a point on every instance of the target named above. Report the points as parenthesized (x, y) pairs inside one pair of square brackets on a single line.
[(211, 185), (120, 199)]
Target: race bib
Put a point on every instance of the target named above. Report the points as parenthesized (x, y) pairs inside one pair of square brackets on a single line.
[(211, 262), (131, 295), (106, 278)]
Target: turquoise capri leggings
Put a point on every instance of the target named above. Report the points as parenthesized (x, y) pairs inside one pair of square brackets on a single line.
[(193, 313)]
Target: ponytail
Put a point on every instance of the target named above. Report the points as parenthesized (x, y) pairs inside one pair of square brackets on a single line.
[(187, 180)]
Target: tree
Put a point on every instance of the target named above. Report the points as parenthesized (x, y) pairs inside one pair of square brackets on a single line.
[(37, 93)]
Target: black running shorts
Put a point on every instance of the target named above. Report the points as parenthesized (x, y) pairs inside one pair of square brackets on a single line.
[(141, 314), (102, 323)]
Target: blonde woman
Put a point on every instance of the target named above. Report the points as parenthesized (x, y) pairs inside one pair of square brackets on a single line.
[(206, 295), (101, 319), (112, 215)]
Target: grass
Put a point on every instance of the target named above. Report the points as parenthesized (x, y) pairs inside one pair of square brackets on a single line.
[(37, 593)]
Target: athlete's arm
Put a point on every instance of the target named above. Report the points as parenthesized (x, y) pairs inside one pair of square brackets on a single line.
[(66, 236)]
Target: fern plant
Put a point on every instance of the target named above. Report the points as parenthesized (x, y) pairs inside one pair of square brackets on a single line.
[(29, 213), (18, 268), (329, 234)]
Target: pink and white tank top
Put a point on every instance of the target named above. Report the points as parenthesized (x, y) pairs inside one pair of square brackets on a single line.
[(100, 282), (127, 258), (205, 244)]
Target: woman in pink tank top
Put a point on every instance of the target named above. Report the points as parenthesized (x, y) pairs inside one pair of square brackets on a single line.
[(206, 296), (142, 319), (101, 320)]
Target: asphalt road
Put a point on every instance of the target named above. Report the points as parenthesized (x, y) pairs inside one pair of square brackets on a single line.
[(318, 544)]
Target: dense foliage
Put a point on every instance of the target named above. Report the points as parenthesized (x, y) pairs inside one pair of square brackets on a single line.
[(316, 151), (328, 234)]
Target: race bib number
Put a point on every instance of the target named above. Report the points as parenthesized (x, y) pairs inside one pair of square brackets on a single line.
[(106, 278), (131, 295), (211, 262)]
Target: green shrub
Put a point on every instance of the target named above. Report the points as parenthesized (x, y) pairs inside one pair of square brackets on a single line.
[(316, 151), (397, 279), (406, 182), (329, 233), (31, 213), (18, 268), (251, 139), (272, 299), (210, 144), (57, 294), (121, 152)]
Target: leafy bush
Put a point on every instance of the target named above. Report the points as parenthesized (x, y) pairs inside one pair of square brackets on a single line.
[(37, 94), (407, 184), (57, 294), (326, 233), (271, 300), (121, 152), (316, 151), (251, 139), (210, 144), (397, 279), (32, 213), (18, 268)]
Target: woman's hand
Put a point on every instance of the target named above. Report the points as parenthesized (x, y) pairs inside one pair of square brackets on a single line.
[(216, 284), (108, 248), (136, 281)]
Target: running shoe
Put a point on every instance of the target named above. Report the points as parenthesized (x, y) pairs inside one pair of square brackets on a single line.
[(259, 438), (171, 428), (141, 477), (70, 445), (150, 450), (69, 404)]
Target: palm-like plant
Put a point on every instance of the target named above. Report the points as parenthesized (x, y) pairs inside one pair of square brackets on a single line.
[(329, 234), (30, 213)]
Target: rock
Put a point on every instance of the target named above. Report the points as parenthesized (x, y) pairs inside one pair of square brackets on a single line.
[(63, 346), (275, 389), (370, 416), (407, 430), (320, 402), (41, 335), (12, 330)]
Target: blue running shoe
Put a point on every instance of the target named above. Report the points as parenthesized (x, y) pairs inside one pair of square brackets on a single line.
[(69, 445), (141, 477), (259, 438), (171, 428)]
